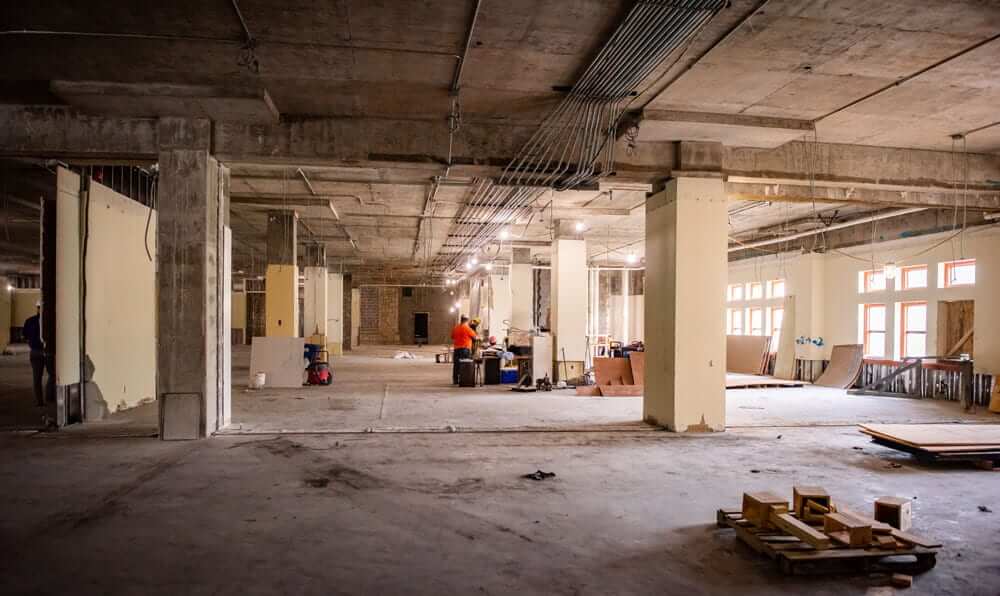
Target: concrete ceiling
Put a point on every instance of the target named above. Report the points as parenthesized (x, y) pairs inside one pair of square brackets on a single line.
[(895, 73)]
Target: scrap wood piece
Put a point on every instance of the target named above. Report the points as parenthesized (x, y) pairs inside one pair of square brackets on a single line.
[(878, 527), (757, 508), (816, 495), (886, 542), (800, 529), (637, 362), (858, 533), (926, 436), (621, 390), (914, 539), (895, 511), (609, 370), (901, 580), (844, 368), (588, 390)]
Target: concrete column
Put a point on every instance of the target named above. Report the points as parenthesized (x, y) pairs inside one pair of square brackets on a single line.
[(281, 302), (569, 307), (315, 315), (522, 294), (335, 314), (191, 249), (348, 311), (686, 273)]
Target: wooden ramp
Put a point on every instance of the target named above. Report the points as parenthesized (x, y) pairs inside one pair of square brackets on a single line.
[(741, 381), (844, 368), (939, 441)]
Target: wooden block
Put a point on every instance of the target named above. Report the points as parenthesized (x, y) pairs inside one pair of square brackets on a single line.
[(877, 526), (801, 530), (757, 508), (914, 539), (859, 533), (842, 537), (816, 494), (817, 507), (895, 511), (901, 580), (885, 542)]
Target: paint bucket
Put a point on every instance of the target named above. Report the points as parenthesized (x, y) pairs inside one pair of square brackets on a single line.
[(258, 381)]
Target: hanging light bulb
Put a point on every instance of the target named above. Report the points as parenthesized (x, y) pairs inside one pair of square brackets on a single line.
[(488, 266), (451, 310), (889, 270), (474, 260), (458, 305), (504, 234), (632, 258), (468, 266), (580, 226)]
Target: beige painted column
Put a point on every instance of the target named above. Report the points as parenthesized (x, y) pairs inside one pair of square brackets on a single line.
[(335, 314), (281, 286), (569, 307), (686, 273), (522, 290), (315, 303)]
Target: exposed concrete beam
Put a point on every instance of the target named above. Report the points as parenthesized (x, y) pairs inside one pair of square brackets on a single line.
[(732, 129), (232, 101), (798, 191)]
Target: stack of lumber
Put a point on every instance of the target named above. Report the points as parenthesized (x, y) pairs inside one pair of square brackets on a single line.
[(844, 368), (747, 354), (812, 529), (939, 441), (617, 377)]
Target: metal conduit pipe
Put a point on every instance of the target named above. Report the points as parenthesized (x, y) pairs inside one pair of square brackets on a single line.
[(566, 148), (840, 226)]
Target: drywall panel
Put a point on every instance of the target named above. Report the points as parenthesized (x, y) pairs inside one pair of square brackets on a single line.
[(281, 359), (315, 302), (569, 299), (499, 306), (67, 277), (120, 273)]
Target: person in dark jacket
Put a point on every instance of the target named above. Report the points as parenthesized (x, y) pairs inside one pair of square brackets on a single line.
[(32, 330)]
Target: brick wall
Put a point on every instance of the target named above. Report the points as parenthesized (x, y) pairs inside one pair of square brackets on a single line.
[(379, 315), (436, 302)]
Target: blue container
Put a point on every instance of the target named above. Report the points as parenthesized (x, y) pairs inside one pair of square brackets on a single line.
[(508, 375), (311, 350)]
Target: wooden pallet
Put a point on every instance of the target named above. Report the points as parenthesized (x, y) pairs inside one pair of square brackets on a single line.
[(795, 557)]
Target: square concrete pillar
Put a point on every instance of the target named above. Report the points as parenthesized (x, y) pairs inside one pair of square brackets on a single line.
[(281, 286), (522, 290), (192, 351), (686, 274), (569, 307)]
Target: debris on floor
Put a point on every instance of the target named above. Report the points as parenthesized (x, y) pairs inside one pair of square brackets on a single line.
[(985, 509), (404, 355), (539, 475), (816, 535)]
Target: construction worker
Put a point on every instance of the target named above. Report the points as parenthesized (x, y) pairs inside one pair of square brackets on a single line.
[(32, 330), (461, 336)]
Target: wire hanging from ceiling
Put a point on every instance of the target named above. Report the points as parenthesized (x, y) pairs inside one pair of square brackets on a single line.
[(575, 143)]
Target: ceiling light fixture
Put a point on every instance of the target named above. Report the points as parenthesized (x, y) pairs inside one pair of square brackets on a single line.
[(632, 258), (458, 305), (474, 260), (580, 226), (488, 266), (889, 270), (468, 266), (504, 234)]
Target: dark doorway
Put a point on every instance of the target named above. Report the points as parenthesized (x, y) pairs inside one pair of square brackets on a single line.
[(420, 327)]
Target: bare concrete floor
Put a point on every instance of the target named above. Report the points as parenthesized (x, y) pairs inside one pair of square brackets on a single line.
[(627, 513)]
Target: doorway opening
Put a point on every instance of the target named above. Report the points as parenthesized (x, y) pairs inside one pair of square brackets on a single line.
[(421, 327)]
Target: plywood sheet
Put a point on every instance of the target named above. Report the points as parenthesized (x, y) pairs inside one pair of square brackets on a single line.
[(613, 371), (280, 358), (747, 354), (637, 360), (588, 390), (621, 390), (741, 381), (844, 368), (938, 435)]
